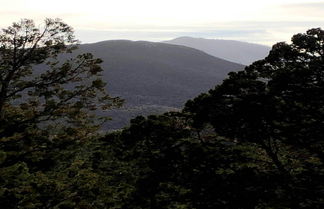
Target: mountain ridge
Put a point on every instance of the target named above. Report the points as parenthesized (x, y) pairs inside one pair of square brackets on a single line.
[(149, 75), (235, 51)]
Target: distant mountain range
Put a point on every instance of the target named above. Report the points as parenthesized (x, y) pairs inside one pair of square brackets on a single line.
[(234, 51), (155, 77)]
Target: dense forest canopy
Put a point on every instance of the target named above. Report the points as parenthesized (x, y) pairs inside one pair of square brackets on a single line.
[(254, 141)]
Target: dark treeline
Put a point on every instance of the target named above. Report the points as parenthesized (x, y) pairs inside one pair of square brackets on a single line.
[(254, 141)]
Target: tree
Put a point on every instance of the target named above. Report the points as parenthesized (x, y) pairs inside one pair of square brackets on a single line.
[(47, 111), (276, 103), (172, 167), (37, 87), (279, 97)]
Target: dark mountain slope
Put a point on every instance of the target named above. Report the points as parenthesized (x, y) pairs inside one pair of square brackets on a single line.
[(156, 77), (235, 51)]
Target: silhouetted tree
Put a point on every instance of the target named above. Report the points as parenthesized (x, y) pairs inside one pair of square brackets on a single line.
[(46, 111), (276, 103)]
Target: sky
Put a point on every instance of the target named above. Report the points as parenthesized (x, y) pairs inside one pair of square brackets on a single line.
[(255, 21)]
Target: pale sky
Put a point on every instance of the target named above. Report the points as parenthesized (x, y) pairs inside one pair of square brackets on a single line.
[(256, 21)]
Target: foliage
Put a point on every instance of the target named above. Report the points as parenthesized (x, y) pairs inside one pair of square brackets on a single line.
[(276, 103), (255, 141), (46, 113)]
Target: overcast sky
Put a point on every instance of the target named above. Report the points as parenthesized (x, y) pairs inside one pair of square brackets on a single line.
[(257, 21)]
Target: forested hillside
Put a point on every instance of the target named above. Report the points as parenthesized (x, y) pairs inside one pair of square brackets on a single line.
[(253, 141), (154, 77)]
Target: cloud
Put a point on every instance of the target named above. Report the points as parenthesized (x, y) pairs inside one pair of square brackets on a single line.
[(306, 10), (262, 32), (311, 5), (161, 20)]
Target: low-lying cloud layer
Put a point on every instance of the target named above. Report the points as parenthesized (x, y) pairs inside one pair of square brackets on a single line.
[(266, 33), (265, 22)]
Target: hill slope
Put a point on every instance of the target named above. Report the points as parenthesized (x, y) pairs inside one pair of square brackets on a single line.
[(235, 51), (155, 77)]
